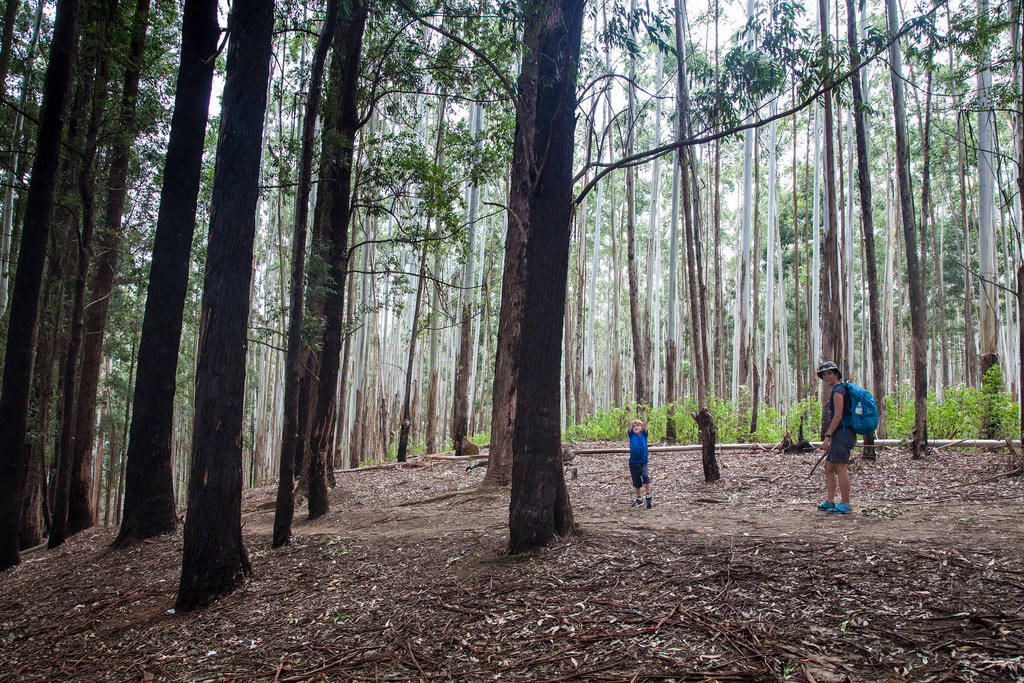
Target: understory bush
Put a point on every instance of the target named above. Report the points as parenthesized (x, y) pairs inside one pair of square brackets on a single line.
[(961, 414)]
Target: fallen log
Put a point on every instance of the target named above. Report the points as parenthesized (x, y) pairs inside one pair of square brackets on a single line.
[(879, 443)]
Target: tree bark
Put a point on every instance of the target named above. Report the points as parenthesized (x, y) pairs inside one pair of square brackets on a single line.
[(23, 322), (290, 435), (540, 206), (916, 293), (149, 487), (214, 559), (340, 145), (405, 425), (867, 224)]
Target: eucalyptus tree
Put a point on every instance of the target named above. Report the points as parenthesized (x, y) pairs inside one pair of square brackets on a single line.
[(290, 436), (214, 559), (343, 123), (691, 249), (986, 228), (916, 291), (540, 205), (831, 337), (149, 489), (24, 317), (71, 506), (14, 171), (867, 218)]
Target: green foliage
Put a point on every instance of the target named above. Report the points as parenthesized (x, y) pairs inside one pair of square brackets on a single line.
[(961, 415)]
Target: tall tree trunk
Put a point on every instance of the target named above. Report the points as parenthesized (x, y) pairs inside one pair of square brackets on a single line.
[(8, 222), (109, 240), (916, 291), (149, 487), (23, 323), (831, 342), (72, 511), (867, 223), (290, 436), (406, 423), (461, 407), (540, 206), (348, 45), (214, 559), (986, 229), (639, 326)]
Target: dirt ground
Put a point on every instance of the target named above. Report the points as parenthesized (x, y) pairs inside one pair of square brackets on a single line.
[(741, 579)]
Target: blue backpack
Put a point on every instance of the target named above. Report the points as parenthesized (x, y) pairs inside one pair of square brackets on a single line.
[(861, 413)]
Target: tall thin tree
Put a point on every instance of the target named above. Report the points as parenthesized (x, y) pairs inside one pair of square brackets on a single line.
[(214, 559), (23, 323), (149, 487)]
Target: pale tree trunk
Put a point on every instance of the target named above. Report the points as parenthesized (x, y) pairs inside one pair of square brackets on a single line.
[(832, 329), (917, 316), (653, 235), (673, 290), (816, 351), (986, 228), (798, 240), (639, 325), (769, 360), (460, 417), (403, 439)]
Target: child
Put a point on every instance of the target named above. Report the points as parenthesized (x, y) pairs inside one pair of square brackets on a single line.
[(638, 461)]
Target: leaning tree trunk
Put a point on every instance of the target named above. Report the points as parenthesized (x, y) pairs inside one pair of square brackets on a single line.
[(149, 487), (867, 222), (22, 325), (214, 559), (348, 45), (916, 292), (285, 508), (540, 206)]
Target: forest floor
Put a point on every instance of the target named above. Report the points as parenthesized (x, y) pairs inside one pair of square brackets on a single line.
[(742, 579)]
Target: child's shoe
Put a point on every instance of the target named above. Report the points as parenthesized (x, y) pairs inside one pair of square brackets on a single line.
[(649, 503), (826, 506), (637, 503), (841, 509)]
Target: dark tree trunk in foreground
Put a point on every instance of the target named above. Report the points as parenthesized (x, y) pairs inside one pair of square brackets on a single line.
[(105, 264), (149, 485), (340, 135), (290, 431), (867, 225), (916, 293), (540, 205), (214, 560), (23, 323)]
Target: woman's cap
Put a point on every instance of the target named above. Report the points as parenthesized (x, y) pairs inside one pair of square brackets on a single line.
[(829, 365)]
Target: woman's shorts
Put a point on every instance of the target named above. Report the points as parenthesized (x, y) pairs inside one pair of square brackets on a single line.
[(638, 470), (840, 451)]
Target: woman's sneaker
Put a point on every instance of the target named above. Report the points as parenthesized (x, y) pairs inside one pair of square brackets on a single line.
[(826, 506), (841, 509)]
